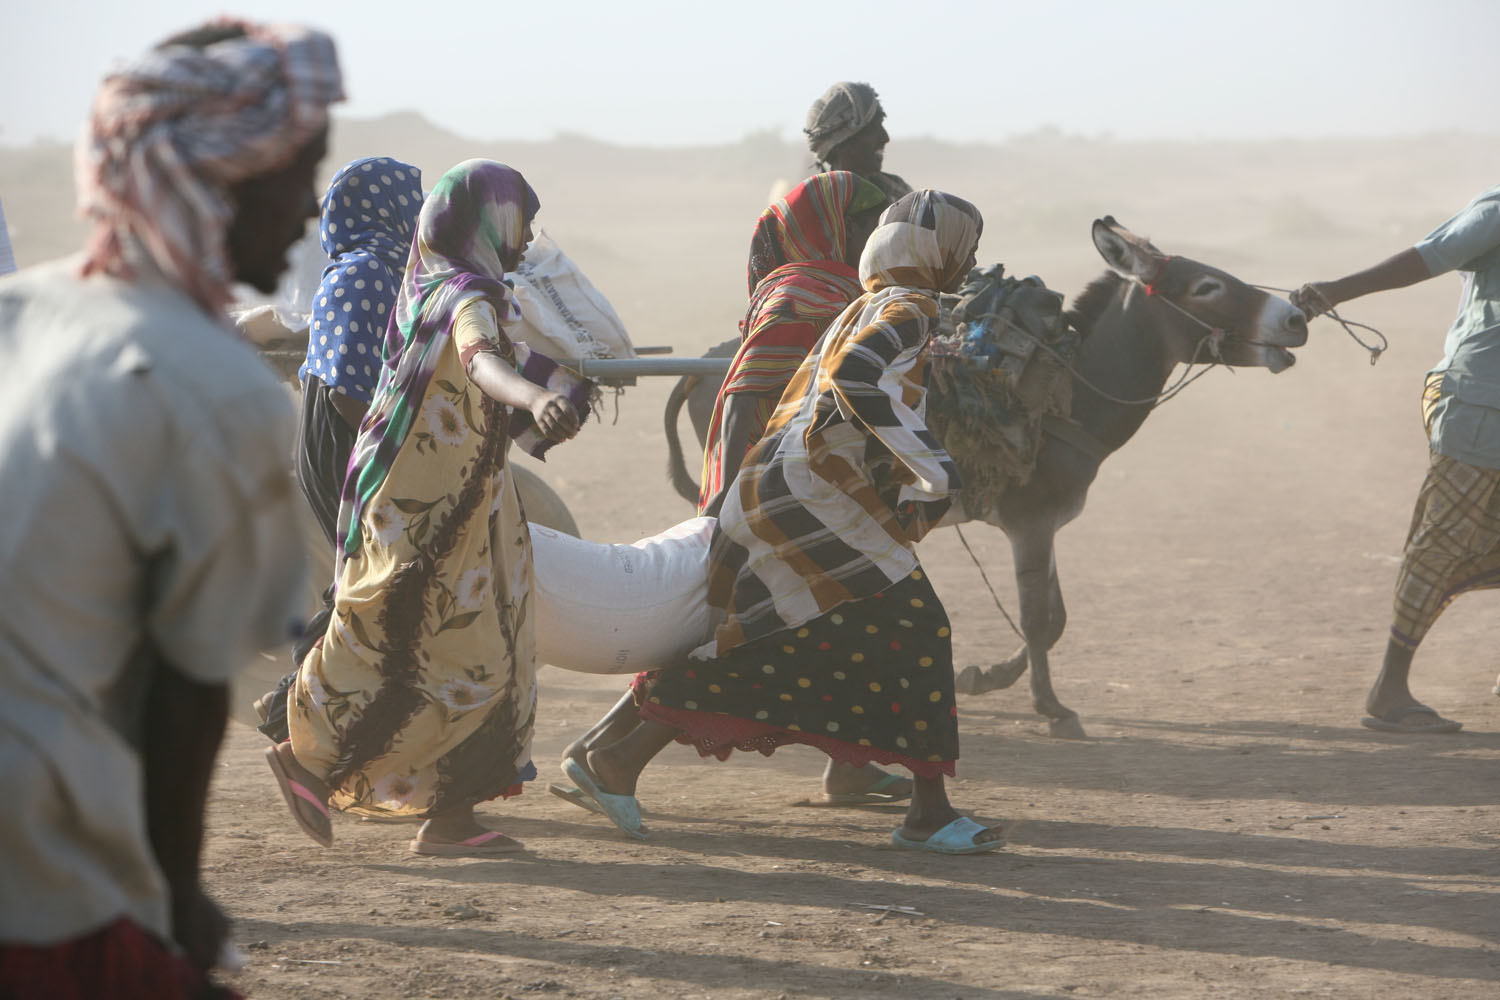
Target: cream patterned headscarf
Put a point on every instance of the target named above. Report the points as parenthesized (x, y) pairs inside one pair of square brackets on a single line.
[(923, 241), (171, 131)]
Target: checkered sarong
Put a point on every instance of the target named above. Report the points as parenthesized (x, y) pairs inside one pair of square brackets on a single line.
[(1453, 546)]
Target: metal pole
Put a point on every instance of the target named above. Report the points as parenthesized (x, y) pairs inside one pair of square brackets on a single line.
[(632, 367)]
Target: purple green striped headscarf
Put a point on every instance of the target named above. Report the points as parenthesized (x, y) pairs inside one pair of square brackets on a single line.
[(468, 236)]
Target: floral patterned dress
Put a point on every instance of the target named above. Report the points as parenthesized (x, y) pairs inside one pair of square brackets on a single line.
[(421, 696)]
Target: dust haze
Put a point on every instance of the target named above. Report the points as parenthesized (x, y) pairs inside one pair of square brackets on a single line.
[(1228, 828)]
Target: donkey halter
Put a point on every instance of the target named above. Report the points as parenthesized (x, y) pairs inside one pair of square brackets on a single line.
[(1214, 337)]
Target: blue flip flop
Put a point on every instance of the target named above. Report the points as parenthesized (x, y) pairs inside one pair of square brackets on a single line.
[(575, 796), (621, 810), (955, 838)]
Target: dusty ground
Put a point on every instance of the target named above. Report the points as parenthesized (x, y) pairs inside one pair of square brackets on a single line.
[(1228, 828)]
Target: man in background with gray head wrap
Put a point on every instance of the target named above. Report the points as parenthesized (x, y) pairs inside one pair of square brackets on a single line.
[(144, 555), (845, 131)]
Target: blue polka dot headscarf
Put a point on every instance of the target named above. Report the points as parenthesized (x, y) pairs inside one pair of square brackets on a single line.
[(369, 216)]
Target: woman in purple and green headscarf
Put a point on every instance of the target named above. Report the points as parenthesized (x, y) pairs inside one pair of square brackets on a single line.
[(421, 696)]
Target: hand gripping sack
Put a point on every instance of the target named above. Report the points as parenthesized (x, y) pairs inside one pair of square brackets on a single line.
[(562, 314), (619, 609)]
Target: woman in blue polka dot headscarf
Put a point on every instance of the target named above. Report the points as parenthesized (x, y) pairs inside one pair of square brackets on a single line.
[(369, 215)]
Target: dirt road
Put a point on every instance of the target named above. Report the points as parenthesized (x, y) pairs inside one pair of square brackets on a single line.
[(1228, 828)]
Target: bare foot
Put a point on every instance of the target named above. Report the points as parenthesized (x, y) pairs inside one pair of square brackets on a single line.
[(608, 775), (577, 750), (1413, 717)]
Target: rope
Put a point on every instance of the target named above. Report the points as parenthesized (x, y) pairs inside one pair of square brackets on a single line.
[(1187, 378), (1183, 381), (986, 578), (1347, 324)]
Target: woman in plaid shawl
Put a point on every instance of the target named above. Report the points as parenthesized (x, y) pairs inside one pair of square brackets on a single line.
[(832, 635), (803, 272), (421, 697)]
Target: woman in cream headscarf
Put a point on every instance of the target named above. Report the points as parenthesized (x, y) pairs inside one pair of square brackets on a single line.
[(832, 636)]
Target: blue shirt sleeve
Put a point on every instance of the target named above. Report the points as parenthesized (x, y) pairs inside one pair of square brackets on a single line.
[(1465, 238)]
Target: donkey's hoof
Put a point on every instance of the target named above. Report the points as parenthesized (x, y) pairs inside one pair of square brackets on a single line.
[(1066, 728), (1003, 675), (975, 679)]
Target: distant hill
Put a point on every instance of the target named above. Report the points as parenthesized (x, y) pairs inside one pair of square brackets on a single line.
[(664, 231)]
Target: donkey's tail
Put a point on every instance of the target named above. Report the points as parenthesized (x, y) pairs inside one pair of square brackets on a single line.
[(682, 481)]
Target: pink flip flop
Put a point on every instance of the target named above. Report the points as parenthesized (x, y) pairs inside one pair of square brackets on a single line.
[(481, 846), (296, 793)]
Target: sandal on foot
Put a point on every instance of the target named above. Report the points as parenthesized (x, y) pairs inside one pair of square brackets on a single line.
[(388, 819), (886, 788), (955, 838), (574, 796), (298, 796), (1399, 720), (621, 810), (488, 844)]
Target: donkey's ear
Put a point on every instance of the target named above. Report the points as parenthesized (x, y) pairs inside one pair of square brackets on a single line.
[(1125, 252)]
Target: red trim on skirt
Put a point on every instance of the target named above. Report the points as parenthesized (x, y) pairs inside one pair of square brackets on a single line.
[(716, 735)]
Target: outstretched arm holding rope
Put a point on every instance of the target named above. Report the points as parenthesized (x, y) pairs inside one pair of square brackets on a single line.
[(1397, 271), (1451, 547)]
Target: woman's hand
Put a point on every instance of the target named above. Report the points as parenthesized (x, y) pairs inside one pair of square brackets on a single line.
[(555, 416)]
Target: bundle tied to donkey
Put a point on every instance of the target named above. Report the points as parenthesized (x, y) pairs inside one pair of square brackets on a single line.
[(999, 366), (998, 369)]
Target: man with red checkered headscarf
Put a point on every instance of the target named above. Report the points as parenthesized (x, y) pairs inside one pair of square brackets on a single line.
[(143, 550)]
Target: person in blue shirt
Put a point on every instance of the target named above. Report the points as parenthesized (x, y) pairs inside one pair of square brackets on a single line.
[(1453, 545)]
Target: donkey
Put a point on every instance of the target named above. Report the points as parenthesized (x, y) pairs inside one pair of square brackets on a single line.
[(1148, 313), (697, 393)]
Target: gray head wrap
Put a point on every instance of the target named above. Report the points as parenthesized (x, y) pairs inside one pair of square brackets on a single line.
[(843, 110)]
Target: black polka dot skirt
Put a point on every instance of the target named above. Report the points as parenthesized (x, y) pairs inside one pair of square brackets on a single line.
[(870, 681)]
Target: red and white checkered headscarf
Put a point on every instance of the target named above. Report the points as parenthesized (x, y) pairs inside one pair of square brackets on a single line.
[(172, 131)]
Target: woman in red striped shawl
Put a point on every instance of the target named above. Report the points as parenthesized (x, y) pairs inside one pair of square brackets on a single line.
[(802, 274)]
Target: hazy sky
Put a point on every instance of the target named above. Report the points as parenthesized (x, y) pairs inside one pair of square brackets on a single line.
[(660, 73)]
